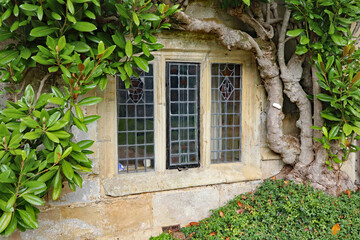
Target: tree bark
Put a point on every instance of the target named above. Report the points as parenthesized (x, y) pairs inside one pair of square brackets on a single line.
[(308, 165)]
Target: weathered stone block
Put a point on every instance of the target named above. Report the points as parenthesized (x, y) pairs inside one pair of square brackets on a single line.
[(184, 206), (229, 191), (127, 215), (271, 168), (90, 192)]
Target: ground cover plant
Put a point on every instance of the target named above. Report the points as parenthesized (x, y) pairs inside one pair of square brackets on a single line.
[(281, 209)]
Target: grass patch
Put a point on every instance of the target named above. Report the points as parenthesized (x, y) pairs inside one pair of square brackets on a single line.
[(281, 210)]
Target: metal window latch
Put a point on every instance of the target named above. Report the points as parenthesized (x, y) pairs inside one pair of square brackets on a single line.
[(182, 168)]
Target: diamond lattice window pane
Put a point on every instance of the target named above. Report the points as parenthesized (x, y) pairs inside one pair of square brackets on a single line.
[(136, 90), (226, 88)]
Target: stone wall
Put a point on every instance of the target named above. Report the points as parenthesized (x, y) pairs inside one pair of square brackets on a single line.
[(136, 206)]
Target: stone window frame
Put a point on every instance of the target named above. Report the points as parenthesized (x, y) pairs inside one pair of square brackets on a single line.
[(162, 179)]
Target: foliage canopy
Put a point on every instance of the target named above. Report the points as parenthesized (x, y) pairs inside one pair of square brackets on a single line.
[(81, 42)]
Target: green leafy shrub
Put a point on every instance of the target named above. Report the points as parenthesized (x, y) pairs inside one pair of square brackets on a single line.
[(80, 42), (163, 236), (36, 154), (282, 210)]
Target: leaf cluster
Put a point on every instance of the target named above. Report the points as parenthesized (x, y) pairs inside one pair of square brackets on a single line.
[(339, 78), (81, 42), (37, 154), (326, 24), (126, 27), (282, 210)]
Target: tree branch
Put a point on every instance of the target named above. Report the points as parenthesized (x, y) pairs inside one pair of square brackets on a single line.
[(22, 85), (42, 85), (282, 35), (259, 28), (228, 37)]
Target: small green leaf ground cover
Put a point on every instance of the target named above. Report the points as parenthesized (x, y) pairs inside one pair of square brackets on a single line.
[(281, 210)]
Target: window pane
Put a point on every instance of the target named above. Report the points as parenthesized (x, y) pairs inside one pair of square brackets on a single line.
[(183, 120), (136, 124), (226, 88)]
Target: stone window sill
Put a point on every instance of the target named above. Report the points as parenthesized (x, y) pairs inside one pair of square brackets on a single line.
[(127, 184)]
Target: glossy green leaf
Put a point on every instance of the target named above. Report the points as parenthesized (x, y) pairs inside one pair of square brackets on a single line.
[(40, 13), (42, 31), (28, 219), (77, 179), (47, 176), (29, 7), (141, 63), (13, 113), (136, 19), (52, 137), (90, 14), (57, 186), (84, 26), (67, 170), (32, 135), (295, 32), (56, 100), (150, 17), (84, 144), (90, 101), (128, 48), (11, 227), (6, 56), (14, 26), (61, 134), (35, 186), (80, 125), (28, 121), (32, 199), (55, 16), (347, 129), (91, 119), (70, 6), (5, 220)]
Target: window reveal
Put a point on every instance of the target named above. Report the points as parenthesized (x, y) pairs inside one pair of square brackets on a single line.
[(226, 87), (182, 81), (136, 124)]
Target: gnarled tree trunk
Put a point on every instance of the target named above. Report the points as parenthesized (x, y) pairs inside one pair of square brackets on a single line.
[(306, 158)]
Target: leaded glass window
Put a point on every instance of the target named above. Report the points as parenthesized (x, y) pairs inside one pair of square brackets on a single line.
[(183, 114), (136, 124), (226, 87)]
